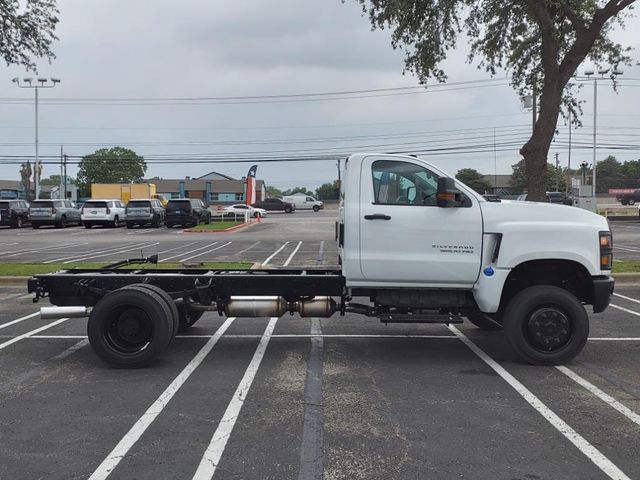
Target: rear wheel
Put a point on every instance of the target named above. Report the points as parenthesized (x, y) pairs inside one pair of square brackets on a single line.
[(35, 226), (632, 201), (116, 222), (624, 201), (130, 225), (546, 325), (155, 223), (62, 223), (175, 315), (130, 327), (87, 225)]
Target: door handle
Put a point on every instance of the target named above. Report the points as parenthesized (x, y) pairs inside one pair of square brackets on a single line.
[(377, 216)]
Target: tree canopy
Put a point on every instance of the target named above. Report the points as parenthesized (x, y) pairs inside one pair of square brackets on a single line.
[(294, 190), (110, 165), (518, 180), (328, 191), (27, 31), (540, 43), (474, 179)]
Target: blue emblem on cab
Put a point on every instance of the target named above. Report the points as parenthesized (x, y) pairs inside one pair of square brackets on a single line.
[(488, 271)]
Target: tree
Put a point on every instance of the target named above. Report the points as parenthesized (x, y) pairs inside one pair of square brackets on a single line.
[(294, 190), (26, 31), (110, 165), (541, 43), (474, 179), (609, 174), (518, 180), (328, 191), (273, 192), (630, 173)]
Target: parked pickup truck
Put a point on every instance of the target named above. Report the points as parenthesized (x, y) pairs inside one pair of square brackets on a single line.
[(629, 198), (415, 246)]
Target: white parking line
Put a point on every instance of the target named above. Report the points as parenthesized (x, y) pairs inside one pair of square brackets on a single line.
[(626, 298), (605, 397), (106, 254), (211, 457), (18, 320), (205, 252), (275, 253), (32, 332), (591, 452), (45, 249), (626, 249), (140, 232), (615, 339), (71, 350), (60, 259), (187, 245), (132, 436), (248, 248), (187, 253), (632, 312), (295, 250), (5, 297)]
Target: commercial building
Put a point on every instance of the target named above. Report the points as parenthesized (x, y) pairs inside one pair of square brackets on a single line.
[(212, 188)]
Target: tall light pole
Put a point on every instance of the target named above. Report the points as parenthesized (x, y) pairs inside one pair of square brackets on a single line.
[(588, 74), (39, 83)]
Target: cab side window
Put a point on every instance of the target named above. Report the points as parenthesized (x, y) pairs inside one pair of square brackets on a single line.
[(403, 183)]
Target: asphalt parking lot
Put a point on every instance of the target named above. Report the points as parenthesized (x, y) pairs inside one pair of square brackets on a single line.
[(339, 398), (278, 240), (343, 398)]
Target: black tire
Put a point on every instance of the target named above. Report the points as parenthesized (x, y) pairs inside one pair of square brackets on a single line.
[(187, 317), (484, 322), (35, 226), (631, 201), (87, 225), (175, 315), (18, 223), (130, 225), (287, 210), (155, 223), (256, 214), (62, 223), (169, 225), (116, 222), (130, 327), (207, 221), (316, 208), (546, 325), (624, 201)]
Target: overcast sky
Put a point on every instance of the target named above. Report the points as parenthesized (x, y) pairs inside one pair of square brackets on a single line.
[(166, 49)]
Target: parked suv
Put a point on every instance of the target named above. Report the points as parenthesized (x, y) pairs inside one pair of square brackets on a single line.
[(275, 204), (147, 211), (187, 212), (103, 212), (14, 213), (60, 213)]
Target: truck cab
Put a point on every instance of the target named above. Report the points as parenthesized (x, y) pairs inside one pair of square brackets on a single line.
[(418, 242)]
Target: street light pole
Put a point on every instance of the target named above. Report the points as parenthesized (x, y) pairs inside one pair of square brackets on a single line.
[(44, 83)]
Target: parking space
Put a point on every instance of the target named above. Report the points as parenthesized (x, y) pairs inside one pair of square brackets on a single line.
[(277, 241), (345, 397)]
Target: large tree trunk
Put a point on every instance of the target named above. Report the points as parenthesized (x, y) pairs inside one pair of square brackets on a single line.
[(536, 150)]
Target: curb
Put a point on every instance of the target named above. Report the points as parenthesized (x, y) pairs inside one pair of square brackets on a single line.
[(14, 281), (222, 230)]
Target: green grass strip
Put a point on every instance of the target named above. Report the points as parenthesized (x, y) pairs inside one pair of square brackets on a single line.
[(217, 225), (27, 269)]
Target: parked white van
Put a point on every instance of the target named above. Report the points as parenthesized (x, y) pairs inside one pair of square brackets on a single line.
[(304, 202)]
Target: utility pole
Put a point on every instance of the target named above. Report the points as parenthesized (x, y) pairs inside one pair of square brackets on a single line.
[(65, 176), (60, 185), (43, 84), (557, 173), (569, 159), (495, 164)]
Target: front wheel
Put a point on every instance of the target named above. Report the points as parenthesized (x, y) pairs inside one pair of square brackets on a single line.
[(18, 223), (287, 209), (316, 208), (62, 223), (130, 225), (631, 201), (546, 325), (116, 222)]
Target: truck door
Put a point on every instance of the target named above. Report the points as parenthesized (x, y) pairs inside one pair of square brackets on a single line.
[(405, 237)]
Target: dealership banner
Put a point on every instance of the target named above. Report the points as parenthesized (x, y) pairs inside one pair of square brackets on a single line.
[(621, 191), (251, 185)]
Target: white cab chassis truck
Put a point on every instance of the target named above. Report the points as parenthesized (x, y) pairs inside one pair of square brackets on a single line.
[(415, 246)]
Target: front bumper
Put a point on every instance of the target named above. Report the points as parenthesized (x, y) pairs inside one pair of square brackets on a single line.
[(602, 291)]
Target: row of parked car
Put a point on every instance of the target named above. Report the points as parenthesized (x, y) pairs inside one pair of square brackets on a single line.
[(114, 213)]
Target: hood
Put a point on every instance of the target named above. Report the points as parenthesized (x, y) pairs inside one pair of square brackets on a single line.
[(496, 214)]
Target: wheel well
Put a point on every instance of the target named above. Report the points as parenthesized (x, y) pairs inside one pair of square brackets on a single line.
[(566, 274)]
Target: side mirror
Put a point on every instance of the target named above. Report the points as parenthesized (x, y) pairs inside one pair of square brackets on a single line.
[(448, 195)]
